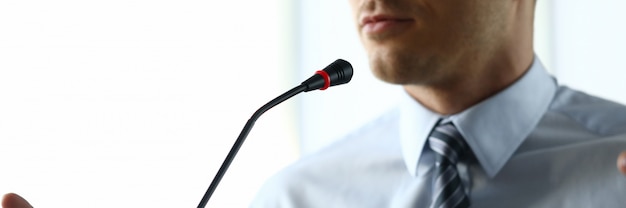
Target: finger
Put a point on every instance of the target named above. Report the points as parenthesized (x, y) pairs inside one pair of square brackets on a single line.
[(12, 200), (621, 162)]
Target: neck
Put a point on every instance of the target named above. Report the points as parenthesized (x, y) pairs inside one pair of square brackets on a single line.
[(480, 77), (465, 92)]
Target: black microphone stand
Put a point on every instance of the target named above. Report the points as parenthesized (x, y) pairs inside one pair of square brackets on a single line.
[(338, 72), (242, 137)]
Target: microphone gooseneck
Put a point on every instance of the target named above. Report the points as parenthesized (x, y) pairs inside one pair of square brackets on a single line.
[(338, 72)]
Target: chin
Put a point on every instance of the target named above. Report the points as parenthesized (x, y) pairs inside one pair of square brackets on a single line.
[(391, 74), (399, 70)]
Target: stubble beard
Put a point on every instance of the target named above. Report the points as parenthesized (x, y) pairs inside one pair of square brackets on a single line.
[(405, 68)]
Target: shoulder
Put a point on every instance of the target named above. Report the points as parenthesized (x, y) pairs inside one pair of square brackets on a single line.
[(314, 178), (597, 115), (375, 137)]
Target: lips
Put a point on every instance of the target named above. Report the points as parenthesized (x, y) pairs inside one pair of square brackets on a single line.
[(381, 24)]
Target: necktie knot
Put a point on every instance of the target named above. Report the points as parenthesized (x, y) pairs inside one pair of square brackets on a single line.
[(447, 142)]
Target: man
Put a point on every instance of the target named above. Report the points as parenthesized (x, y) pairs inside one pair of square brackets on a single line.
[(471, 77), (482, 123)]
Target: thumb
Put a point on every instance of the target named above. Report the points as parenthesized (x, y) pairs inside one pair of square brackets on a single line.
[(12, 200), (621, 162)]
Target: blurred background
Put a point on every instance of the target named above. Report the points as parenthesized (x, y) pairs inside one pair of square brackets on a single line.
[(135, 103)]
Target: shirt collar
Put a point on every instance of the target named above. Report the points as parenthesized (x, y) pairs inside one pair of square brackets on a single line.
[(493, 128)]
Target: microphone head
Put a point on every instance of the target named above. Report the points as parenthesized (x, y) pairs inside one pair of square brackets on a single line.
[(338, 72)]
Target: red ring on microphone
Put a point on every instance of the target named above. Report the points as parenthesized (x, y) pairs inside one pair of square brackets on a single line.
[(326, 79)]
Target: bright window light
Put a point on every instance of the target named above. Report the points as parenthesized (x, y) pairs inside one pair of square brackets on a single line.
[(135, 103)]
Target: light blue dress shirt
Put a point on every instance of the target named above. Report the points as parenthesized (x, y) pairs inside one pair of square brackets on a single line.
[(535, 144)]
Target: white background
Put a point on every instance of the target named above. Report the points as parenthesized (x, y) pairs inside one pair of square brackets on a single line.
[(135, 103)]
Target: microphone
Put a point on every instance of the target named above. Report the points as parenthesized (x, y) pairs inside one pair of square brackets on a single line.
[(337, 73)]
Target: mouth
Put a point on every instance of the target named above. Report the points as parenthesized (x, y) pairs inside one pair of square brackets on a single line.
[(380, 24)]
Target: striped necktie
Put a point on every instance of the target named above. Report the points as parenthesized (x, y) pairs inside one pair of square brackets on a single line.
[(449, 146)]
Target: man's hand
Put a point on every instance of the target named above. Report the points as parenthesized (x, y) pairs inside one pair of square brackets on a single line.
[(621, 162), (12, 200)]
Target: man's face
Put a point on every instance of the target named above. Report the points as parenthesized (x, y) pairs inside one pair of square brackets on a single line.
[(429, 41)]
